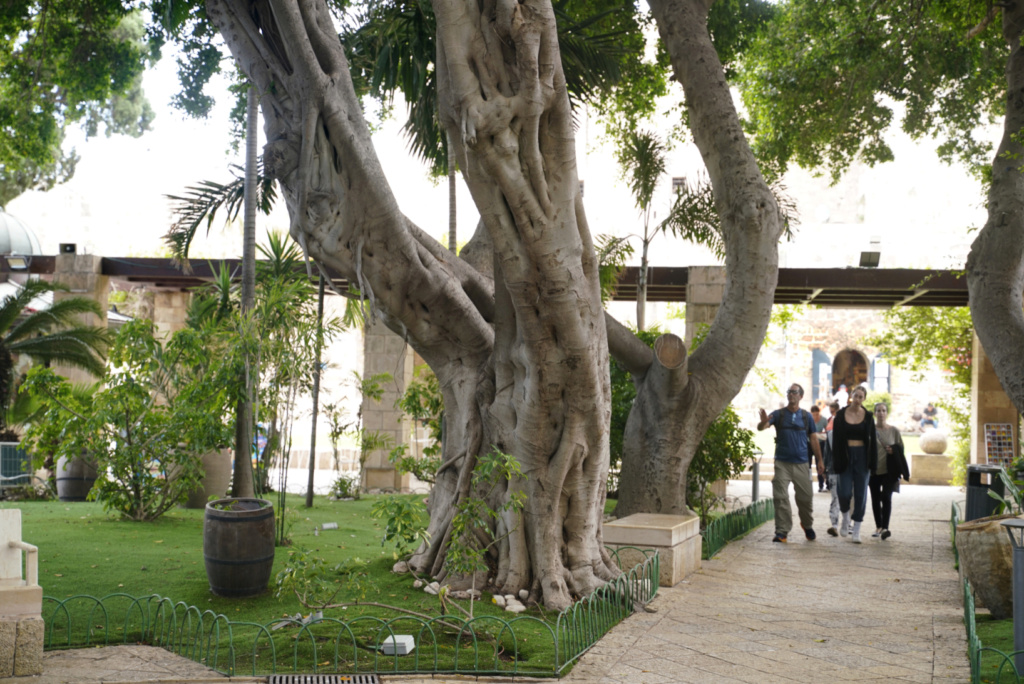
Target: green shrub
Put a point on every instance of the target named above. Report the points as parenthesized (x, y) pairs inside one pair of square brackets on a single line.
[(724, 453), (405, 523), (159, 408), (877, 397), (344, 487)]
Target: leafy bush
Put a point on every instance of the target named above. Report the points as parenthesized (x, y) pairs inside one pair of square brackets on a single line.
[(877, 397), (422, 402), (405, 523), (315, 582), (159, 408), (724, 452), (344, 487)]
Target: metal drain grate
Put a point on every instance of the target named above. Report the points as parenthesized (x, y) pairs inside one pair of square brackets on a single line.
[(325, 679)]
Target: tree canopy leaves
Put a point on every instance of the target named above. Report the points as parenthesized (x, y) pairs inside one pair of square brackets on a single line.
[(66, 62), (825, 84)]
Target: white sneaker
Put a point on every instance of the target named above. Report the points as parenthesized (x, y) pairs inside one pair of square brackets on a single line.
[(844, 527), (856, 533)]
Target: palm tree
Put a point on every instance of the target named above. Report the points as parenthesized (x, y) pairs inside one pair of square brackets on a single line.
[(644, 156), (54, 334)]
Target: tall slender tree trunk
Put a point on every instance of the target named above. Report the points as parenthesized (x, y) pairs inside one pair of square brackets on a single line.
[(641, 287), (316, 389), (242, 482)]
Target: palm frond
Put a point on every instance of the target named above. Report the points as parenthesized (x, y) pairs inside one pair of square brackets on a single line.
[(14, 305), (355, 315), (63, 313), (590, 61), (643, 159), (283, 260), (612, 254), (694, 216), (215, 300), (75, 347), (202, 201)]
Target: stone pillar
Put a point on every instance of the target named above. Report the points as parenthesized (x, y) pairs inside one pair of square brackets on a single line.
[(705, 287), (386, 352), (989, 403), (81, 273), (169, 311)]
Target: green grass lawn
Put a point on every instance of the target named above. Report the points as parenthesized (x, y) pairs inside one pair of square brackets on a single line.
[(84, 551), (997, 634)]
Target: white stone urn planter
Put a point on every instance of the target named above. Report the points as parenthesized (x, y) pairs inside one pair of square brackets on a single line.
[(216, 478), (986, 560)]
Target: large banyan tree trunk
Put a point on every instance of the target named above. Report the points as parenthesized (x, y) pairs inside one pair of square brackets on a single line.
[(518, 340), (522, 360), (995, 267), (678, 399)]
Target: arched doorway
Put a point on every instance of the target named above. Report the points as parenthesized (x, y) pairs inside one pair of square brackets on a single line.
[(849, 368)]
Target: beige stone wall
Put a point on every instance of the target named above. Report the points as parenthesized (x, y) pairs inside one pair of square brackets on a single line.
[(705, 287), (386, 352), (169, 311)]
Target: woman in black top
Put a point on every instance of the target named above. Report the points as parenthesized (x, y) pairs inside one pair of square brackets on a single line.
[(854, 457)]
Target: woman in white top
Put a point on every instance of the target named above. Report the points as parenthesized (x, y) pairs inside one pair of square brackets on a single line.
[(883, 480)]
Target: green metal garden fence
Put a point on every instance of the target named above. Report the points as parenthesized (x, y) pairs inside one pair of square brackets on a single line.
[(484, 645), (1001, 663), (733, 524)]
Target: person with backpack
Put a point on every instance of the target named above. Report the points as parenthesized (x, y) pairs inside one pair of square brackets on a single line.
[(794, 440)]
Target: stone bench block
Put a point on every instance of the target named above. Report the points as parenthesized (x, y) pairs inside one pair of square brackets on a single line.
[(930, 469), (676, 538), (21, 647), (20, 602)]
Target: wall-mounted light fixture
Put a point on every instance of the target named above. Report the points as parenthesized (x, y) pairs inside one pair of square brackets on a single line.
[(18, 262)]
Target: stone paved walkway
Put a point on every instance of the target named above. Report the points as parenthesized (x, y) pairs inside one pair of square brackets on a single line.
[(824, 611)]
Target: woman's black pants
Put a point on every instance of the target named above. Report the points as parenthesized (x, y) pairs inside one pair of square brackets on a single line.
[(881, 487)]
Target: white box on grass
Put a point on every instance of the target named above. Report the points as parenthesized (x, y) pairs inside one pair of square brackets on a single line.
[(400, 644)]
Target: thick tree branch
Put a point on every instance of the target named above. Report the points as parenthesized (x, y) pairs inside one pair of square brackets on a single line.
[(995, 267)]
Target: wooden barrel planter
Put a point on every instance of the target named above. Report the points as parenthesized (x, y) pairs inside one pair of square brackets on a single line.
[(217, 478), (238, 546), (75, 477)]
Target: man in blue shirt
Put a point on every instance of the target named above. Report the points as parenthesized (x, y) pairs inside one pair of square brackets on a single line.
[(794, 430)]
